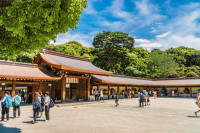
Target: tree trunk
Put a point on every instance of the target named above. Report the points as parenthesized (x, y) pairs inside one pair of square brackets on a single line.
[(112, 66)]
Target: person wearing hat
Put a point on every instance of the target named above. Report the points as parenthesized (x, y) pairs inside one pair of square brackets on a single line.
[(46, 105), (198, 102), (5, 107)]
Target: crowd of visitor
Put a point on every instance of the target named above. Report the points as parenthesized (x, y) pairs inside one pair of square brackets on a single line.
[(40, 104)]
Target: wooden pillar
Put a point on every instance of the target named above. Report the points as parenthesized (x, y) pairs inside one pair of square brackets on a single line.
[(3, 90), (40, 87), (191, 91), (63, 86), (177, 92), (108, 91), (118, 91), (13, 88), (33, 91), (88, 90)]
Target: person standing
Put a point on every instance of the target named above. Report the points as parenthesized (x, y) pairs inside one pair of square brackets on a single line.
[(36, 107), (16, 106), (117, 100), (46, 105), (96, 95), (148, 100), (141, 97), (133, 92), (101, 96), (198, 103), (22, 95), (42, 99), (6, 103)]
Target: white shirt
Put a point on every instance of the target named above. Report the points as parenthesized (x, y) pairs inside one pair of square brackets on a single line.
[(47, 100)]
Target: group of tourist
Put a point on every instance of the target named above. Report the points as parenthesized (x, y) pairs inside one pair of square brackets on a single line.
[(143, 97), (98, 95), (40, 104)]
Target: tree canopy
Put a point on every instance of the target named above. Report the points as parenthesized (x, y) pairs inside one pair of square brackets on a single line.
[(27, 25), (112, 48)]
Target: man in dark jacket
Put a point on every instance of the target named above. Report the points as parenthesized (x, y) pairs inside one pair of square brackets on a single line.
[(117, 99)]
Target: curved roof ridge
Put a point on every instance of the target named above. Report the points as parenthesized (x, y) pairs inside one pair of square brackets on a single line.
[(124, 76), (18, 63), (65, 55)]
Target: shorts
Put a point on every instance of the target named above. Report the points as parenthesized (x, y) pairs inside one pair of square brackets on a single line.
[(41, 108)]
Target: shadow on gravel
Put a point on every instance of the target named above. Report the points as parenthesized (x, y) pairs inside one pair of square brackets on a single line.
[(4, 129), (29, 122), (193, 116)]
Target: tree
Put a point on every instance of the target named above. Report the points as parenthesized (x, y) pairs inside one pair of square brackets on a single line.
[(161, 66), (26, 25), (112, 47)]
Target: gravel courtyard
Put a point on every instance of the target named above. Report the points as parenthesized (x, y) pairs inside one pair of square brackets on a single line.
[(174, 115)]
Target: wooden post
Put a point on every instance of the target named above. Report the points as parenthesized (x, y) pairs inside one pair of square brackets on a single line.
[(33, 91), (118, 91), (191, 91), (108, 91), (88, 90), (13, 88), (177, 92), (40, 87), (63, 86), (3, 90)]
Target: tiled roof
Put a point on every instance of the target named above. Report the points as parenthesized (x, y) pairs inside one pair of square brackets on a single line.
[(127, 80), (70, 63), (24, 71)]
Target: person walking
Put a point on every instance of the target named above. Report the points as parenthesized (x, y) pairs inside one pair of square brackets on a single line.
[(117, 100), (148, 100), (42, 99), (46, 105), (16, 104), (96, 95), (198, 103), (36, 107), (101, 95), (6, 103)]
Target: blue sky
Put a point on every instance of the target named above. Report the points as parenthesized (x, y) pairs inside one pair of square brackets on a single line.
[(153, 23)]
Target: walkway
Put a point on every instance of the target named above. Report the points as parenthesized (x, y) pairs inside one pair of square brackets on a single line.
[(174, 115)]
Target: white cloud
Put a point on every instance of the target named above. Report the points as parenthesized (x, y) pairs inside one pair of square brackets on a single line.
[(84, 39), (164, 34)]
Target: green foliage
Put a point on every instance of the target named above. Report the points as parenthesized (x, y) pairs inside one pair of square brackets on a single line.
[(27, 25), (113, 48)]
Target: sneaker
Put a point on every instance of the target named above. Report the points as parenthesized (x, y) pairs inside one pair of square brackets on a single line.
[(32, 121), (46, 120)]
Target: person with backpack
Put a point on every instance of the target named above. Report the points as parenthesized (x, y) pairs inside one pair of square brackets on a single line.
[(6, 103), (36, 107), (47, 105), (141, 98), (16, 104), (42, 99)]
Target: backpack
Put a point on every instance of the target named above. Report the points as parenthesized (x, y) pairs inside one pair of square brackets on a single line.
[(16, 100), (37, 103), (8, 101), (51, 103)]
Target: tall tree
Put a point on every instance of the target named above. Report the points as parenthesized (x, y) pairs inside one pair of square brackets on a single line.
[(26, 25), (112, 47)]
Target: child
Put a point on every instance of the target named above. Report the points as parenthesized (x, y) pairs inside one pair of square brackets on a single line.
[(116, 100), (148, 101)]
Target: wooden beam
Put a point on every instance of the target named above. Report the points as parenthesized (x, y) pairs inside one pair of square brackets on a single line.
[(177, 92), (63, 86), (108, 91), (7, 82), (80, 77), (13, 88), (88, 90)]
